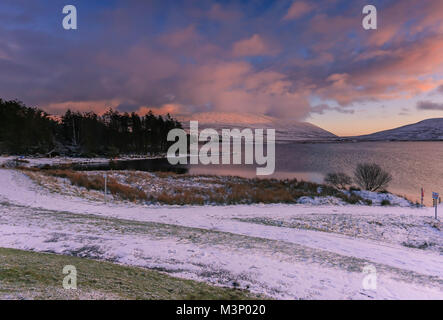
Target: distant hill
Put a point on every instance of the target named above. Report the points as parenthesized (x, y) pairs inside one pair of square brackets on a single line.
[(430, 129), (285, 130)]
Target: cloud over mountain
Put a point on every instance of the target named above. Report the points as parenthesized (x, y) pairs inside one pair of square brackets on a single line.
[(269, 58)]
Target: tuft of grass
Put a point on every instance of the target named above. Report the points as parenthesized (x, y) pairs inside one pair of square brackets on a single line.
[(417, 245), (31, 275)]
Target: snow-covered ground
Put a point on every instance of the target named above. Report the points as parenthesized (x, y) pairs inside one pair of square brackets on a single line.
[(375, 197), (378, 197), (40, 161), (284, 251), (34, 161)]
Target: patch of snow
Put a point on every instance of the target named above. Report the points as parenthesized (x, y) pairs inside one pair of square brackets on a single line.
[(378, 197), (316, 201)]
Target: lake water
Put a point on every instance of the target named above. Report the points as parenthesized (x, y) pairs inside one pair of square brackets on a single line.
[(412, 164)]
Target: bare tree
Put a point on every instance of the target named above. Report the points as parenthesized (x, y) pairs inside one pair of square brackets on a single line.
[(338, 180), (370, 176)]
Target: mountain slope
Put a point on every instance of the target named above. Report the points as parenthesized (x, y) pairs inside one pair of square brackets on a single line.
[(285, 130), (430, 129)]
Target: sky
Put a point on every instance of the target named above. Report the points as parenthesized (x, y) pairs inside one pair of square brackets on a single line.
[(292, 60)]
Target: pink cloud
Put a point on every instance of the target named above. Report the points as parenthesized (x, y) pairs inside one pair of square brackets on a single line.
[(181, 37), (393, 73), (217, 12), (297, 10), (253, 46), (171, 108), (97, 106)]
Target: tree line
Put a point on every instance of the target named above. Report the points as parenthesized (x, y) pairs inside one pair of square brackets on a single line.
[(27, 130)]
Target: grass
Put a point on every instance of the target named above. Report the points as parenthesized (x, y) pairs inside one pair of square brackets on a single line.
[(97, 182), (32, 275), (175, 189)]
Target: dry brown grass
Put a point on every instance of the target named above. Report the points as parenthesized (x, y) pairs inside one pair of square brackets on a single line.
[(126, 192), (233, 190), (176, 189), (163, 174), (97, 182)]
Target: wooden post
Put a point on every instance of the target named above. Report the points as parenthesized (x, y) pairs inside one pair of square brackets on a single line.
[(436, 199), (106, 185)]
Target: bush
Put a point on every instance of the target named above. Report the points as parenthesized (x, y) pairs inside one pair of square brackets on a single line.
[(338, 180), (354, 199), (351, 199), (370, 176), (385, 202)]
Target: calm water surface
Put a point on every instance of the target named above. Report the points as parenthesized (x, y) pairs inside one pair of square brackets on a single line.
[(412, 164)]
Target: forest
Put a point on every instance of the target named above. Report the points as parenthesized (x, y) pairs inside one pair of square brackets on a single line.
[(28, 130)]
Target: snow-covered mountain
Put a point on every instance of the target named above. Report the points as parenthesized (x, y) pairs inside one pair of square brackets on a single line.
[(285, 130), (430, 129)]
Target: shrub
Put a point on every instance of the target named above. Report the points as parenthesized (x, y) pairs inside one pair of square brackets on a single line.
[(328, 191), (371, 176), (354, 199), (338, 180), (351, 199), (385, 202)]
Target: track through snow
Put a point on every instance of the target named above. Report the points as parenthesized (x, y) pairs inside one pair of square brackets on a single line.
[(210, 243)]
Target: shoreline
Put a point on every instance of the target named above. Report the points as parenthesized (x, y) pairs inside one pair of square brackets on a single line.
[(39, 161)]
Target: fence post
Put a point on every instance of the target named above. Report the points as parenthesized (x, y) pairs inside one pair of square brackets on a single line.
[(106, 185)]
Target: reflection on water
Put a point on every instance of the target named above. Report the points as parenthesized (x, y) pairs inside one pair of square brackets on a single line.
[(159, 164), (412, 164), (249, 172)]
